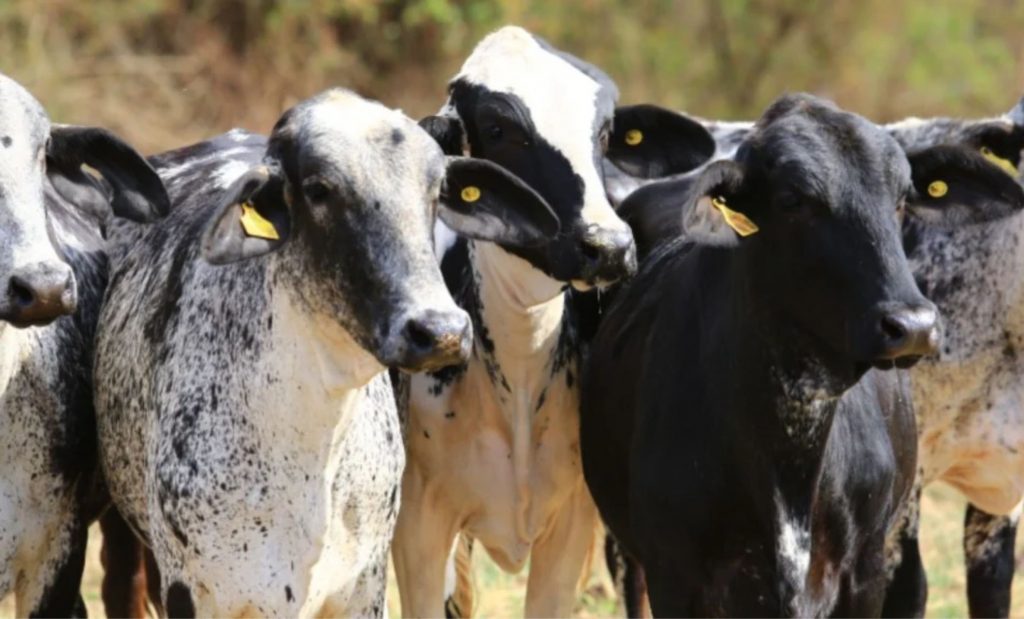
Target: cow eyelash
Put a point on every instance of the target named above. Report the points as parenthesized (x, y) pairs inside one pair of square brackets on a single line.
[(315, 190)]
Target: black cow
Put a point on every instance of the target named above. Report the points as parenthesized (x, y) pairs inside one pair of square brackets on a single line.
[(737, 434)]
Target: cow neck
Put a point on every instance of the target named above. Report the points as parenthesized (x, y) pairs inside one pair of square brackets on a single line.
[(326, 357), (517, 323), (801, 394)]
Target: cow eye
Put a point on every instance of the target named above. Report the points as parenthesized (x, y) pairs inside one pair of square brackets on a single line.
[(494, 133), (315, 190)]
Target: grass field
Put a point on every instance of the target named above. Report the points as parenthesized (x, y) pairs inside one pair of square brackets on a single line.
[(501, 595)]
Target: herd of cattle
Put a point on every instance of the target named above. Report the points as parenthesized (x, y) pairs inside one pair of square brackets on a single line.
[(262, 363)]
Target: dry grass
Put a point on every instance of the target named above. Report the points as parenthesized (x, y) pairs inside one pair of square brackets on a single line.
[(501, 595)]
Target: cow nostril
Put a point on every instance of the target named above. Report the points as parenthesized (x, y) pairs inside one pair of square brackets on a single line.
[(21, 293), (418, 335), (893, 328), (590, 251)]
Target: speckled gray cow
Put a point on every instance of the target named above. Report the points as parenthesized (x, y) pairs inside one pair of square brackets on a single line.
[(52, 291), (970, 398), (247, 426)]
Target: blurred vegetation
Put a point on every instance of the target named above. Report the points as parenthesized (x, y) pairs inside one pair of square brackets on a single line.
[(165, 72)]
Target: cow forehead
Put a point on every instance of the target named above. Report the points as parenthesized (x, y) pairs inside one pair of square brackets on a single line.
[(23, 122), (562, 100), (370, 144)]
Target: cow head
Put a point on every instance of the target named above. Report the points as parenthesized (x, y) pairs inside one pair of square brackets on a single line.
[(349, 192), (977, 163), (811, 205), (36, 285), (549, 118)]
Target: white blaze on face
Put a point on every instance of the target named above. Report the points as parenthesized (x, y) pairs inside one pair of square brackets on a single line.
[(562, 101), (24, 130)]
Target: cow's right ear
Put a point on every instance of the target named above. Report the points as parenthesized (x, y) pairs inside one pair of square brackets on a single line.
[(482, 200), (252, 219), (447, 131), (650, 142), (713, 208)]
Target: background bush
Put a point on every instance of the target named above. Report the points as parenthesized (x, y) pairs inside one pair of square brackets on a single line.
[(165, 72)]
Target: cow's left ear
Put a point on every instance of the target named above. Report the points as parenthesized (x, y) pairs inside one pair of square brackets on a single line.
[(137, 191), (957, 185), (650, 142), (482, 200)]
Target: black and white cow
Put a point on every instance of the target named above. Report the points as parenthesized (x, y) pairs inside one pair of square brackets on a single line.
[(247, 427), (734, 434), (52, 274), (492, 445)]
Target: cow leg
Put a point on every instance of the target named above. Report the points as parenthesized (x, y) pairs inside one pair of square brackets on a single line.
[(561, 556), (906, 593), (423, 538), (124, 573), (61, 597), (989, 552), (628, 576)]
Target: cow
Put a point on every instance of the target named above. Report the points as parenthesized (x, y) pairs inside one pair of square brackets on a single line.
[(247, 426), (969, 395), (53, 217), (970, 434), (743, 431), (492, 445)]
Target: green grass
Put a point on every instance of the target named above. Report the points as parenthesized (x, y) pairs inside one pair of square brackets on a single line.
[(501, 595)]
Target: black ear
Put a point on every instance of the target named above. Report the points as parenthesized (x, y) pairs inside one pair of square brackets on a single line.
[(957, 185), (447, 131), (649, 142), (251, 220), (137, 191), (482, 200), (713, 206)]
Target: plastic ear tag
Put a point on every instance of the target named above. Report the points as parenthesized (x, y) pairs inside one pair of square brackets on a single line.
[(736, 220), (255, 225), (937, 189), (1004, 164), (470, 193), (634, 137)]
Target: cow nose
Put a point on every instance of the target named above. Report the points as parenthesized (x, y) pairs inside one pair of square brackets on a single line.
[(909, 332), (38, 294), (608, 255), (434, 339)]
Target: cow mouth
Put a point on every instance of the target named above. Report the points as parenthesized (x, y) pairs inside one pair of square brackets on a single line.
[(902, 363)]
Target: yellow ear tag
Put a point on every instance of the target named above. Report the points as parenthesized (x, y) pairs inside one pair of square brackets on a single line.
[(937, 189), (255, 225), (634, 137), (736, 220), (470, 193), (1004, 164)]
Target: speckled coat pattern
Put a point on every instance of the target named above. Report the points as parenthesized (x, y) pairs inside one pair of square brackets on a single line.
[(48, 489), (246, 437), (970, 398)]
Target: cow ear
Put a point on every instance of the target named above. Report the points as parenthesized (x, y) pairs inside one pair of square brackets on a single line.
[(251, 220), (649, 142), (957, 185), (714, 204), (137, 193), (447, 131), (482, 200)]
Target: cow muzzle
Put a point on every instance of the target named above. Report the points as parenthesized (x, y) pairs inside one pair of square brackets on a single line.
[(38, 294), (907, 334), (607, 255), (429, 340)]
